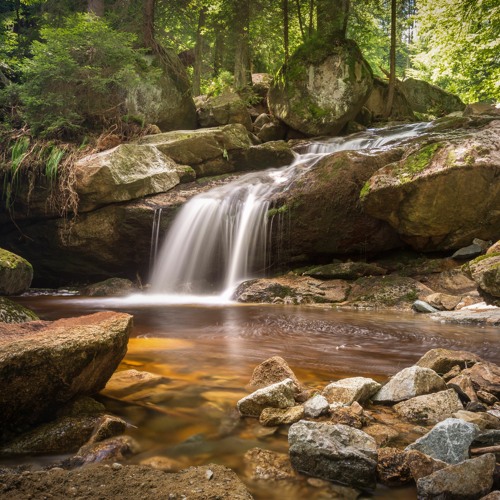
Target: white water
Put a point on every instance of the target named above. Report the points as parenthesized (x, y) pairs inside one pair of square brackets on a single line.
[(219, 238)]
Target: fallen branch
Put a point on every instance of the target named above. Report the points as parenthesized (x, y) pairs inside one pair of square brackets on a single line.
[(486, 449)]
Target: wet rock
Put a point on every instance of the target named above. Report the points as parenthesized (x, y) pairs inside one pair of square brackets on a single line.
[(353, 416), (82, 405), (349, 390), (494, 495), (270, 371), (268, 465), (423, 307), (455, 371), (116, 287), (469, 479), (464, 383), (443, 301), (66, 358), (16, 273), (392, 467), (448, 441), (12, 312), (279, 395), (415, 194), (408, 383), (430, 408), (273, 154), (333, 452), (487, 397), (452, 282), (270, 417), (443, 360), (316, 406), (485, 376), (384, 435), (225, 108), (424, 97), (422, 465), (477, 315), (468, 252), (482, 419), (125, 382), (475, 406), (128, 482), (346, 270), (166, 464), (485, 271), (110, 450)]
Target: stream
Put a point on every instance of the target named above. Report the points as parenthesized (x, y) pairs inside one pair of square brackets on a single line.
[(206, 354)]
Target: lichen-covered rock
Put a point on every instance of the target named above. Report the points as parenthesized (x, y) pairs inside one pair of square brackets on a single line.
[(469, 479), (424, 97), (430, 408), (333, 452), (66, 358), (11, 312), (281, 416), (123, 173), (346, 271), (271, 371), (443, 360), (442, 194), (485, 271), (349, 390), (16, 273), (112, 287), (448, 441), (408, 383), (279, 395), (223, 109), (209, 151), (322, 87)]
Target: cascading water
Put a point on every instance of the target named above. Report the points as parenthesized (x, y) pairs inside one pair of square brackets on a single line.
[(218, 239)]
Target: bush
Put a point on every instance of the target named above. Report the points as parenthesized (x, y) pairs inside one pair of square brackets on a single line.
[(78, 77)]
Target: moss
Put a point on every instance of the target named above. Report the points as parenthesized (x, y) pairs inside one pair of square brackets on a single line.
[(365, 190), (417, 162), (279, 210), (482, 257), (11, 312)]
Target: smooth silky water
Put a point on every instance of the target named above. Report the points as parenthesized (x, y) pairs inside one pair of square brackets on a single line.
[(206, 346)]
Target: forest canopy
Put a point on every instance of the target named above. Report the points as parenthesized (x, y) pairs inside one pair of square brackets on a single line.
[(55, 53)]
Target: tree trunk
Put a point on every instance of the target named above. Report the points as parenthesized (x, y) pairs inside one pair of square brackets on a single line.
[(218, 50), (301, 21), (311, 17), (392, 57), (198, 53), (242, 73), (148, 24), (332, 19), (96, 7), (285, 30)]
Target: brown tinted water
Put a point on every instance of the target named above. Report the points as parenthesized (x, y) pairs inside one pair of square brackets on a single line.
[(206, 355)]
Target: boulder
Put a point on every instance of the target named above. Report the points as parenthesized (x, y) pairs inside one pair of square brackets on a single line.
[(468, 252), (291, 289), (223, 109), (441, 194), (333, 452), (125, 382), (346, 271), (270, 417), (16, 273), (209, 151), (66, 358), (485, 271), (316, 406), (482, 419), (377, 102), (466, 480), (452, 282), (112, 287), (443, 360), (273, 130), (443, 301), (462, 383), (323, 207), (271, 371), (322, 87), (424, 97), (349, 390), (448, 441), (423, 307), (408, 383), (430, 408), (273, 154), (279, 395), (482, 108), (485, 376), (12, 312), (124, 173), (352, 415)]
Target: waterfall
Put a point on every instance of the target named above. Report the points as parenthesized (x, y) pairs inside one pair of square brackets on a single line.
[(219, 238), (155, 233)]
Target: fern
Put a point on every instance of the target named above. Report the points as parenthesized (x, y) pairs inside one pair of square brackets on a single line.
[(52, 164)]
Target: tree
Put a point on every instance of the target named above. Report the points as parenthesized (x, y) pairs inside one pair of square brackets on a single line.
[(242, 61), (332, 18), (392, 61)]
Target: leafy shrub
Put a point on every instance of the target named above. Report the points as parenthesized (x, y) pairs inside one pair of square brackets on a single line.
[(78, 77)]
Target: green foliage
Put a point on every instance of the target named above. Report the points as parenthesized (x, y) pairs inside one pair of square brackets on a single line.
[(53, 161), (458, 47), (216, 85), (78, 77)]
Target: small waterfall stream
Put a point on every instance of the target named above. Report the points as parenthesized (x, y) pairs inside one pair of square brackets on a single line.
[(219, 238)]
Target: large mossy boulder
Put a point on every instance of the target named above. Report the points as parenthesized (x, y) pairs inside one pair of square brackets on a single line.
[(424, 97), (485, 271), (443, 193), (323, 212), (16, 273), (322, 87), (225, 108), (124, 173), (209, 151), (44, 365), (11, 312)]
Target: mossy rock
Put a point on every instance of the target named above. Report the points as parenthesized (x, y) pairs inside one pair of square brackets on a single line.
[(11, 312), (485, 271), (16, 273), (322, 87), (116, 287), (346, 270)]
